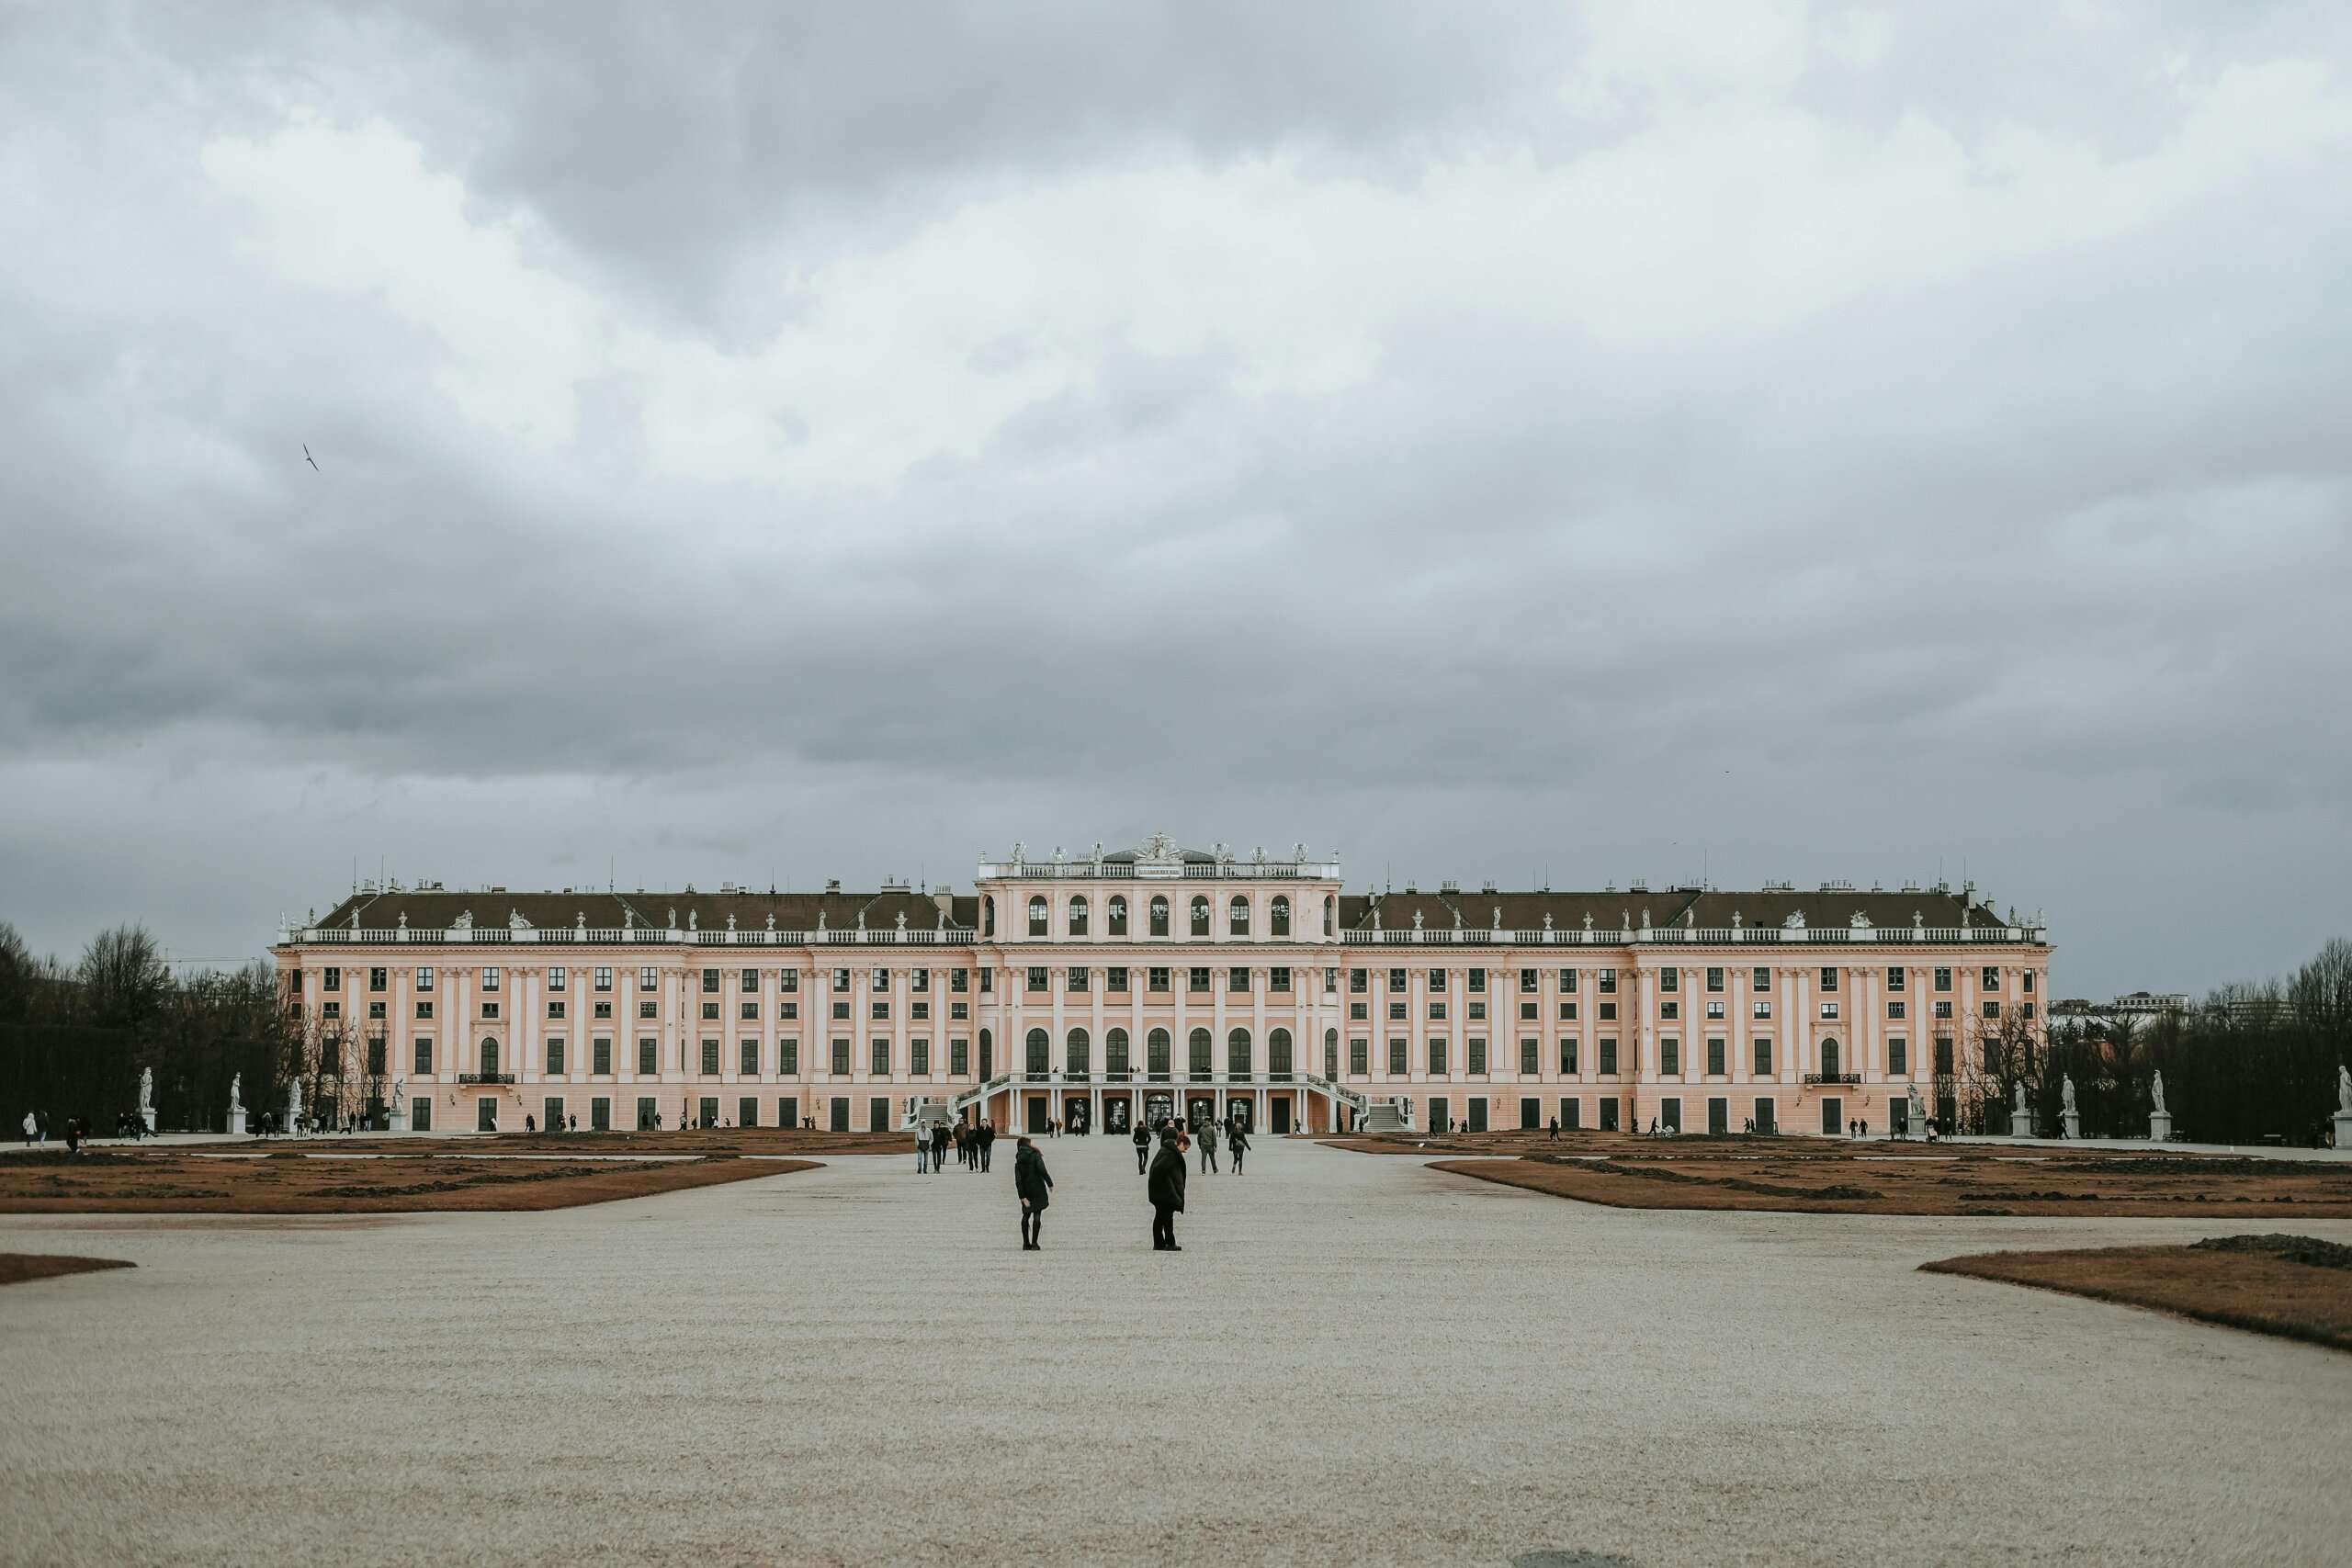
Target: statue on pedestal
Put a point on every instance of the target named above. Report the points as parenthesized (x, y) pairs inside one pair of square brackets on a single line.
[(2020, 1119), (147, 1091), (2343, 1090), (236, 1083), (2067, 1094), (2156, 1091)]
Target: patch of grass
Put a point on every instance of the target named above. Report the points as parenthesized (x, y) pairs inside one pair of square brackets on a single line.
[(17, 1268), (2291, 1286)]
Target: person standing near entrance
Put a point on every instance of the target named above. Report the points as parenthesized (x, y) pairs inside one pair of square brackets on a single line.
[(1208, 1147), (1166, 1190), (987, 1142), (938, 1147), (1237, 1142), (1031, 1183), (1142, 1142)]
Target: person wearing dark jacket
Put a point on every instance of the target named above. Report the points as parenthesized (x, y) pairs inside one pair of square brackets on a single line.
[(1236, 1144), (1034, 1184), (987, 1142), (1143, 1148), (1167, 1193)]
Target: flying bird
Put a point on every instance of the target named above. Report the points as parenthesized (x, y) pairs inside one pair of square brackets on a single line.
[(308, 459)]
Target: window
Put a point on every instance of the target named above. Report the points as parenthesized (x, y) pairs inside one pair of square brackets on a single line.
[(423, 1008), (1714, 979), (1943, 1055), (1992, 1007), (424, 978), (919, 1058), (881, 1055), (1608, 1012), (710, 981), (1037, 915), (840, 1059), (1079, 1057), (1894, 974), (710, 1010), (1236, 1053), (1202, 1047), (556, 977), (489, 979), (1359, 981), (604, 1009), (1763, 1068), (1715, 1010), (1115, 915), (1608, 981), (1943, 979), (917, 1010), (1158, 979), (423, 1056), (1437, 979), (1278, 978), (603, 978), (600, 1056), (334, 1009), (1567, 1059), (710, 1058), (1080, 979), (1158, 917), (1829, 1062), (1607, 1055), (959, 1057), (1828, 1012), (1567, 1012), (1670, 1009), (1477, 1055), (376, 1010), (1116, 977), (1200, 915), (1669, 1054), (1237, 980), (841, 1011), (988, 917), (1716, 1055), (1078, 917), (1944, 1009), (787, 1056), (1894, 1009), (1437, 1012), (1759, 1009), (751, 1012), (1041, 1047), (2025, 1009), (1197, 978), (1359, 1056), (748, 1059), (959, 981), (555, 1056), (1278, 917), (1395, 980), (1568, 982), (2028, 981), (1330, 1053), (1898, 1056), (1990, 980), (647, 979), (334, 979), (1669, 980), (1039, 980), (1437, 1055), (489, 1010), (1759, 980), (1115, 1053), (1397, 1067), (1395, 1011), (646, 1064), (379, 979), (1155, 1047), (1828, 977), (1237, 916)]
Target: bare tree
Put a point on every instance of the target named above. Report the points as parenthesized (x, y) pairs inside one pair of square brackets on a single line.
[(123, 976)]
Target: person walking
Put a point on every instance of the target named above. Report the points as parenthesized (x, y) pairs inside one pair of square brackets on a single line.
[(987, 1144), (1142, 1143), (923, 1148), (32, 1131), (1166, 1190), (1556, 1128), (1208, 1147), (1237, 1142), (1032, 1184), (938, 1147)]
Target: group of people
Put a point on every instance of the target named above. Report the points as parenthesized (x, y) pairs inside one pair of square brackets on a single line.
[(71, 1130), (971, 1146), (1165, 1174)]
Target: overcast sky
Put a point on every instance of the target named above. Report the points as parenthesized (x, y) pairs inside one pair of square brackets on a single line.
[(1482, 440)]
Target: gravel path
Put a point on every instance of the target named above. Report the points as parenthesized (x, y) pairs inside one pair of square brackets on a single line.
[(1355, 1359)]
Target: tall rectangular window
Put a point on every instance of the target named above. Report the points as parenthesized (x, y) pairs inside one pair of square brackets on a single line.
[(425, 977), (600, 1056), (1531, 1057), (1828, 977), (1716, 1055), (1894, 974), (604, 977), (1943, 979), (646, 1051), (1760, 979), (1898, 1056), (1669, 980), (1763, 1058), (556, 977), (841, 1060), (919, 1056), (1715, 978), (750, 1064), (1360, 1057), (1437, 1057), (710, 980), (787, 1056), (881, 1058), (423, 1056), (959, 1057), (1397, 1065), (1477, 1055), (1568, 982), (710, 1058), (1669, 1054), (1567, 1059), (1608, 1055), (555, 1057)]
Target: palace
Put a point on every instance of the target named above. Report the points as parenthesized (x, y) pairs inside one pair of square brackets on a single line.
[(1162, 980)]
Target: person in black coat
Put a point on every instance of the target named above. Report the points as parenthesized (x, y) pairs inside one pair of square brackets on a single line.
[(1143, 1148), (987, 1142), (1167, 1193), (1034, 1185), (1236, 1144)]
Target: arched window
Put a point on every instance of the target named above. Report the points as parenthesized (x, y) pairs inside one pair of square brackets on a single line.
[(1829, 1059), (1330, 916), (1200, 915), (1236, 1053), (1158, 916), (1278, 1062), (1278, 918), (1117, 914), (490, 1058), (1240, 915), (987, 1055), (1332, 1055), (1078, 917), (1155, 1045), (1115, 1053), (1080, 1058), (1041, 1047), (1037, 915), (1203, 1045), (988, 917)]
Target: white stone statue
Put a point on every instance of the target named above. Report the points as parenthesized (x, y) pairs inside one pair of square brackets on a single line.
[(2067, 1094), (2156, 1091), (1547, 920), (236, 1084), (293, 1104), (2343, 1090), (400, 1097), (1417, 919), (1588, 919), (2017, 1103), (771, 921), (515, 922), (693, 920), (902, 919), (1918, 1111), (146, 1089), (1498, 916), (730, 919)]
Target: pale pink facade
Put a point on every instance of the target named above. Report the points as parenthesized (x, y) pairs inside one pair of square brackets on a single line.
[(1102, 988)]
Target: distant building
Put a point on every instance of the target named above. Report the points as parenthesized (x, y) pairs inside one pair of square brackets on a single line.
[(1158, 981)]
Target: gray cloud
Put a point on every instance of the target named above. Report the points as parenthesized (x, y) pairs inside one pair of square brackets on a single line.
[(1864, 445)]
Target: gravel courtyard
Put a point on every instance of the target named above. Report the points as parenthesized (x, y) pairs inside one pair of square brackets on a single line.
[(1356, 1358)]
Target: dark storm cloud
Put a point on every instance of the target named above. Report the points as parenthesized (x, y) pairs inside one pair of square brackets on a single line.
[(1488, 441)]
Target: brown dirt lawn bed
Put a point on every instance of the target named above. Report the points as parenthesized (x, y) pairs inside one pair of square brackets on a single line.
[(1954, 1183), (2250, 1282), (15, 1267), (175, 1182)]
